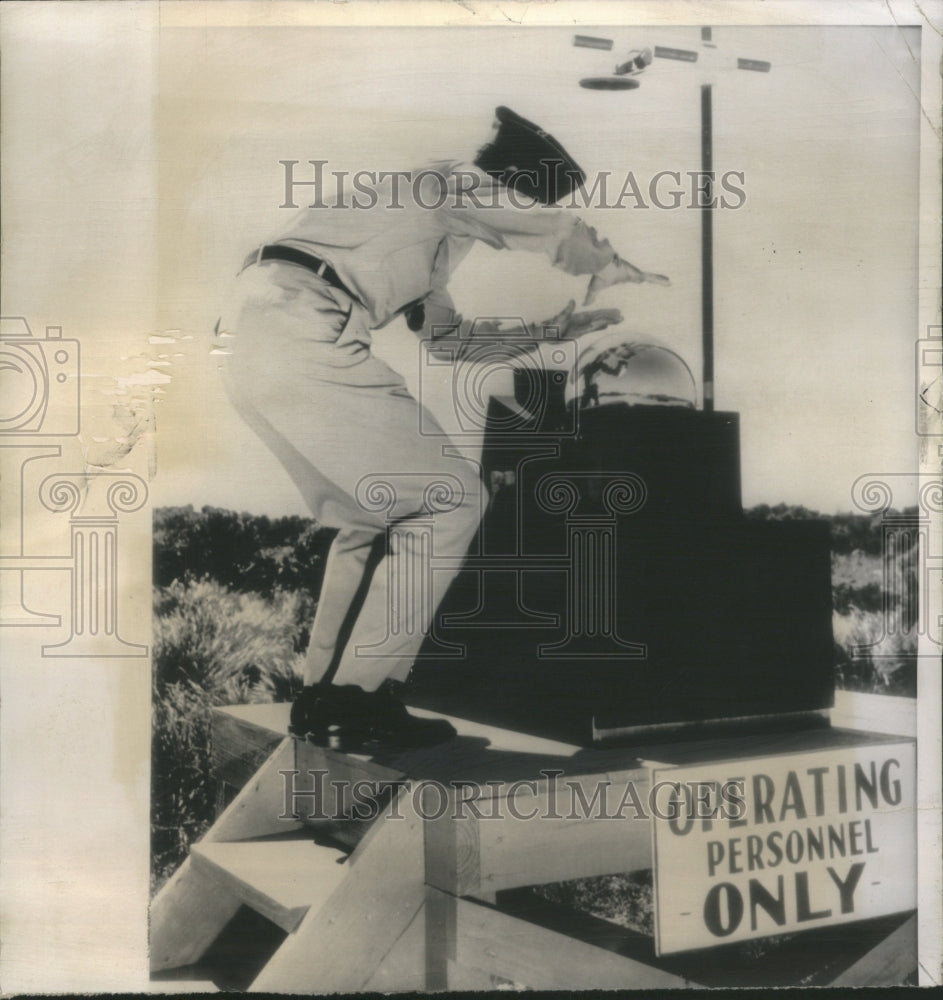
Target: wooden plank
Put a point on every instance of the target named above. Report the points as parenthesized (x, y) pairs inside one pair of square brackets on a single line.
[(529, 834), (440, 945), (888, 964), (273, 716), (243, 737), (256, 810), (274, 719), (190, 986), (569, 836), (470, 980), (331, 768), (473, 756), (186, 917), (451, 845), (757, 745), (403, 968), (279, 879), (491, 943), (505, 740), (478, 753), (485, 754), (875, 713), (482, 752), (339, 947)]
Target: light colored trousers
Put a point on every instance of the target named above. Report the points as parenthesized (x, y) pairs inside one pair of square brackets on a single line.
[(347, 431)]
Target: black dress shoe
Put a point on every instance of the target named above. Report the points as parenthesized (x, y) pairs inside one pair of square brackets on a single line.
[(303, 707), (351, 720)]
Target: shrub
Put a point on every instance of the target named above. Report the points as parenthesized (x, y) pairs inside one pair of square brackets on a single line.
[(237, 647), (211, 647), (868, 658), (624, 899), (182, 794), (245, 553)]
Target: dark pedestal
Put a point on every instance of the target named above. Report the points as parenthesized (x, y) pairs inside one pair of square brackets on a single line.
[(618, 587)]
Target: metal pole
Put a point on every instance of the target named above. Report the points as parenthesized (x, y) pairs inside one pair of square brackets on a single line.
[(707, 248)]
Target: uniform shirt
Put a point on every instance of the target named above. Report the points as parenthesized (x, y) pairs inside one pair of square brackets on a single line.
[(403, 244)]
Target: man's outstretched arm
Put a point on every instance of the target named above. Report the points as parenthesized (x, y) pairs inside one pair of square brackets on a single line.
[(488, 214)]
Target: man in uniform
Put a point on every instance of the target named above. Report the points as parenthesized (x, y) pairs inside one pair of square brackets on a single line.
[(303, 376)]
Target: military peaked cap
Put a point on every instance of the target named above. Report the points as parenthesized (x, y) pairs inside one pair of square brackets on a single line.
[(530, 160)]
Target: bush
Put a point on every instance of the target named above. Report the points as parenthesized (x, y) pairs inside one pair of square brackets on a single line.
[(869, 659), (182, 794), (238, 647), (211, 647), (624, 899), (871, 596), (246, 553)]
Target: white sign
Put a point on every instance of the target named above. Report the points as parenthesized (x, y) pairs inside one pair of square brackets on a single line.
[(749, 848)]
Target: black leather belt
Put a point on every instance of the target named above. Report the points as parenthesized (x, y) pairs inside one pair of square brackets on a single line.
[(307, 260)]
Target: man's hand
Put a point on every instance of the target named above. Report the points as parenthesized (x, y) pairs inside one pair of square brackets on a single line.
[(576, 324), (617, 273)]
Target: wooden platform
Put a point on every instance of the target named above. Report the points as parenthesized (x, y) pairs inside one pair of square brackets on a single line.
[(391, 890), (244, 735)]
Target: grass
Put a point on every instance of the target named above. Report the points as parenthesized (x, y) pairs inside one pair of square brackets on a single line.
[(211, 647)]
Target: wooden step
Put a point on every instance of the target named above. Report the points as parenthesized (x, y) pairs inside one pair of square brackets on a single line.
[(281, 879)]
